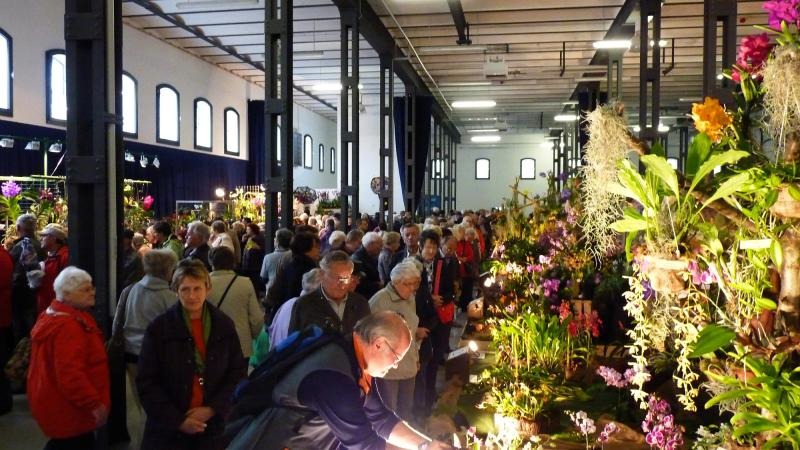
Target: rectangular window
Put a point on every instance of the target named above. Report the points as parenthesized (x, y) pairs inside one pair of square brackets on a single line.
[(482, 171), (527, 169)]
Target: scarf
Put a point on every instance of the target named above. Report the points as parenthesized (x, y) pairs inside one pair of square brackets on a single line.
[(365, 382), (205, 318)]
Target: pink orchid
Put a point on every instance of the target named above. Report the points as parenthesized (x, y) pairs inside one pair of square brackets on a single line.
[(147, 202)]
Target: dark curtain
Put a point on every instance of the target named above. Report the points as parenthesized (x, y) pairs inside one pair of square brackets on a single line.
[(422, 125), (256, 170), (182, 175)]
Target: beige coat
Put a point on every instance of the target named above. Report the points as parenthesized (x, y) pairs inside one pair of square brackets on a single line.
[(241, 305), (387, 300)]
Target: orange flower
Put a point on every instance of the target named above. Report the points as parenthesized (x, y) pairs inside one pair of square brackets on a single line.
[(710, 118)]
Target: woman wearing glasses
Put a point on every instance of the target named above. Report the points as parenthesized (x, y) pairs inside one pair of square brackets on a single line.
[(397, 386)]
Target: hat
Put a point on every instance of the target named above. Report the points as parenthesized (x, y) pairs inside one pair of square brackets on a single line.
[(55, 230)]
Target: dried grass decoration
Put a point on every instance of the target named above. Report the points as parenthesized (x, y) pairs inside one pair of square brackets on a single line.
[(782, 97), (609, 143)]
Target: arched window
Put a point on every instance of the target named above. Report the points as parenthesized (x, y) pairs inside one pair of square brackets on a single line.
[(321, 157), (333, 160), (203, 124), (168, 115), (6, 75), (130, 106), (231, 131), (308, 149), (56, 73), (527, 169), (482, 169)]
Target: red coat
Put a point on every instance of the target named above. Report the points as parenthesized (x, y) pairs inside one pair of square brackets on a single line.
[(6, 274), (464, 250), (68, 374), (53, 265)]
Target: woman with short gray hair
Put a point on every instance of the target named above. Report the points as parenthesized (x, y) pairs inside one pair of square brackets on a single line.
[(397, 387), (391, 243), (66, 344)]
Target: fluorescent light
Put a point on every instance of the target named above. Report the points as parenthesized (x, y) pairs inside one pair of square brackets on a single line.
[(690, 99), (662, 128), (590, 79), (661, 43), (571, 102), (465, 83), (720, 76), (452, 48), (330, 87), (474, 104), (565, 117), (214, 3), (310, 53), (637, 129), (484, 139), (612, 44), (484, 130)]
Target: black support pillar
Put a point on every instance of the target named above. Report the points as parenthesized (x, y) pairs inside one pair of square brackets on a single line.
[(278, 113), (348, 119), (649, 69), (93, 37), (718, 13), (453, 168), (387, 139), (410, 199)]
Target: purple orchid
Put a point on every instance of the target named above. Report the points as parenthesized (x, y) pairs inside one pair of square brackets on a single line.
[(10, 189)]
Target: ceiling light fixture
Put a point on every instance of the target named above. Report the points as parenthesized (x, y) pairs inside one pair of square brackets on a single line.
[(465, 83), (330, 87), (156, 162), (720, 76), (485, 139), (662, 128), (565, 117), (55, 147), (310, 53), (143, 161), (7, 143), (452, 48), (129, 157), (690, 99), (612, 44), (33, 145), (590, 79), (571, 102), (483, 130), (661, 43), (463, 104), (199, 4)]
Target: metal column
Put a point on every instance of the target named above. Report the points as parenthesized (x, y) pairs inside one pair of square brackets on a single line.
[(447, 205), (348, 120), (714, 13), (614, 74), (649, 69), (387, 140), (409, 153), (278, 108), (453, 193), (439, 167), (93, 38)]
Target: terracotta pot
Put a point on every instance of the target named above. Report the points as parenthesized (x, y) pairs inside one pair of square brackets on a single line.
[(666, 275), (786, 205)]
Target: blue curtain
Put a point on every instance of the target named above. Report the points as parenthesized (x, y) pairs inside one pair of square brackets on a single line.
[(182, 175), (422, 125), (256, 170)]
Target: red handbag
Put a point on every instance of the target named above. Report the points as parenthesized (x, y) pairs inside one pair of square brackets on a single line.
[(447, 311)]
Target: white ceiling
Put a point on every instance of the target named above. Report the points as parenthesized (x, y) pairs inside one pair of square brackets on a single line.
[(529, 34)]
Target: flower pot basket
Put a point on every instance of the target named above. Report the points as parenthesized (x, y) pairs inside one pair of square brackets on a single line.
[(666, 275), (786, 205)]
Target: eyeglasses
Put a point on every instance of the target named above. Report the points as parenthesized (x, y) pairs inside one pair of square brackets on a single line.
[(397, 356), (340, 279)]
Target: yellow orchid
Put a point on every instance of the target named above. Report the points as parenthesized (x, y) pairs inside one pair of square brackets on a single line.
[(710, 118)]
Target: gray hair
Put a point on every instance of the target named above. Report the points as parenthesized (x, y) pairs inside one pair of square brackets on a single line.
[(335, 257), (138, 240), (27, 223), (406, 270), (69, 280), (160, 263), (337, 238), (391, 238), (355, 235), (311, 280), (371, 237), (201, 229), (387, 324), (218, 226)]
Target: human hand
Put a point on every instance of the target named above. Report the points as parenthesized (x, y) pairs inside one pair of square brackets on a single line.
[(201, 413), (437, 300), (100, 415), (191, 425), (422, 333)]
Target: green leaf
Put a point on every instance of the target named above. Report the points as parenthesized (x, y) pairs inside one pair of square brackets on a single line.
[(776, 253), (699, 149), (770, 199), (729, 157), (633, 181), (658, 149), (629, 244), (726, 396), (765, 303), (729, 187), (711, 338), (630, 213), (794, 192), (754, 425), (629, 225), (659, 167)]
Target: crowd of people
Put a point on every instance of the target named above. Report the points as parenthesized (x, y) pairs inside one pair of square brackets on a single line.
[(202, 302)]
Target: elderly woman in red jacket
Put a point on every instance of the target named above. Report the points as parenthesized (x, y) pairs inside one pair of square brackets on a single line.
[(68, 387)]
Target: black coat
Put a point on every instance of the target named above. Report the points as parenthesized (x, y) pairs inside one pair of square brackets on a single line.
[(166, 373), (199, 253), (293, 275), (313, 309), (371, 283)]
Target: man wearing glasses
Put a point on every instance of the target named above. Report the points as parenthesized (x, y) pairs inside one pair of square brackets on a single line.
[(331, 307)]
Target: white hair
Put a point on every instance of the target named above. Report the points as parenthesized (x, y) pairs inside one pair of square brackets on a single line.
[(201, 229), (69, 280), (405, 270), (311, 280), (337, 238), (371, 237)]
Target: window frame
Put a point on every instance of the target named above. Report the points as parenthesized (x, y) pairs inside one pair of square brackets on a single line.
[(488, 168), (333, 160), (48, 72), (521, 161), (225, 131), (197, 146), (10, 110), (159, 139), (135, 134), (308, 162), (321, 157)]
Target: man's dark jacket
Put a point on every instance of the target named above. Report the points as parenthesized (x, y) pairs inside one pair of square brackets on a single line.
[(313, 309), (371, 283)]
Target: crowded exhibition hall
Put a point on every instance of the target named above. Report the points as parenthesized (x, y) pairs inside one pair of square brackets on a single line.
[(399, 224)]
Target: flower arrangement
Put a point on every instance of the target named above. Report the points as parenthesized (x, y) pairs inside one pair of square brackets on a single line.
[(137, 211), (305, 195), (248, 204)]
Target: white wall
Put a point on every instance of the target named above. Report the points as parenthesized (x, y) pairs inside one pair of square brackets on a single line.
[(504, 160), (322, 131)]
